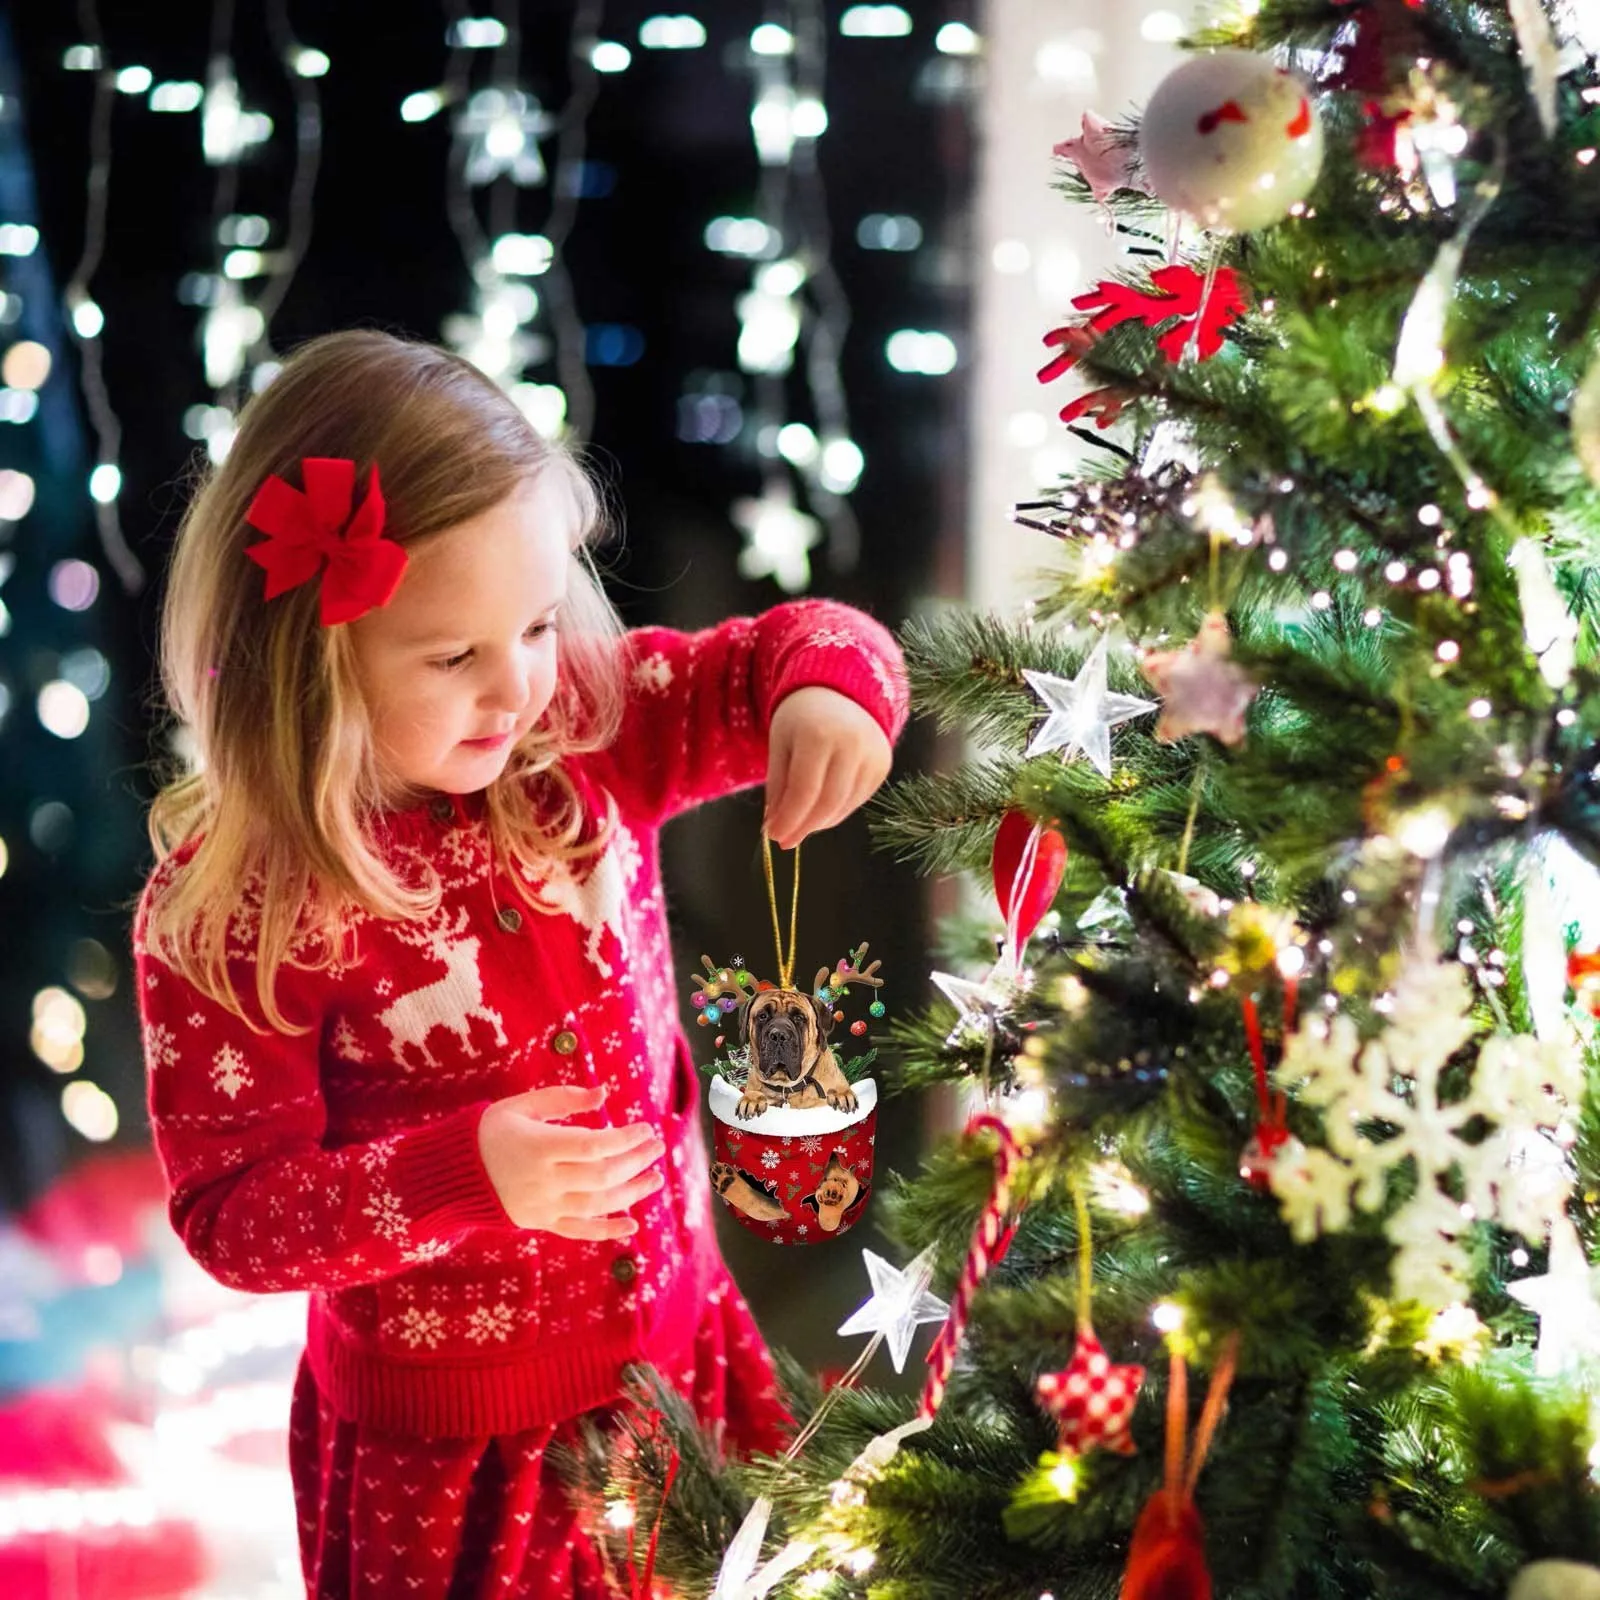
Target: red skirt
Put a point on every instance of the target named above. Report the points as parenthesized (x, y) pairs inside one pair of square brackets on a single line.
[(388, 1517)]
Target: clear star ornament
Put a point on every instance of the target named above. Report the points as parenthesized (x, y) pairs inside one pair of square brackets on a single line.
[(900, 1302), (982, 1003), (1564, 1300), (1083, 711)]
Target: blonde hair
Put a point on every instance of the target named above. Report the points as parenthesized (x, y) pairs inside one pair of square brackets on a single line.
[(282, 774)]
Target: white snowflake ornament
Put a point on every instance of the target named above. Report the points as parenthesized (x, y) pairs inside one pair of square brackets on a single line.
[(1514, 1174)]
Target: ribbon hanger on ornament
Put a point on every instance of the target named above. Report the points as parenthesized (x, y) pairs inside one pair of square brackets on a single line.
[(785, 964)]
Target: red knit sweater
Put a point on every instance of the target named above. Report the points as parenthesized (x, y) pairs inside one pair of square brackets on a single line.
[(345, 1161)]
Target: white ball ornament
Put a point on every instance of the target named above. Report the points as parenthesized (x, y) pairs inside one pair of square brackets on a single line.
[(1231, 139), (1556, 1580)]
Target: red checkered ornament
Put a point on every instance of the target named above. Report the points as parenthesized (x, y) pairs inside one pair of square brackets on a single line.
[(1092, 1399)]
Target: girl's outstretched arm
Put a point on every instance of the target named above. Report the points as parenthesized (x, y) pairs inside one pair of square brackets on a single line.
[(700, 705)]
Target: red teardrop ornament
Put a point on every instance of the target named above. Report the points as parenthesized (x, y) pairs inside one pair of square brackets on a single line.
[(1167, 1560), (1025, 902)]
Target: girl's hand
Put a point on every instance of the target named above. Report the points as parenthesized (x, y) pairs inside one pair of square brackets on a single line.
[(825, 757), (567, 1181)]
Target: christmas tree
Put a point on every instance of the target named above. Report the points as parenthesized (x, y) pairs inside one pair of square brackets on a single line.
[(1282, 1206)]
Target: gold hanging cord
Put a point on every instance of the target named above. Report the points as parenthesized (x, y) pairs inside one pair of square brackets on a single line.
[(785, 966)]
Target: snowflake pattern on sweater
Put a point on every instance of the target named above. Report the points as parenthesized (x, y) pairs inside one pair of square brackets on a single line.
[(344, 1160)]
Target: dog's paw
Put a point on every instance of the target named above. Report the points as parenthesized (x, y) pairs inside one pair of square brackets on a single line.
[(722, 1176), (751, 1105), (842, 1099)]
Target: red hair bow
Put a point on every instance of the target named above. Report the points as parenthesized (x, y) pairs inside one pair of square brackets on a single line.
[(304, 529)]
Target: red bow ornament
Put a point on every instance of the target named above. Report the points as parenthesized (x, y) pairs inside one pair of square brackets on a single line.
[(306, 528)]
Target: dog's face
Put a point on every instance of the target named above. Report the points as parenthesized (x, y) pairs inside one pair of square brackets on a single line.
[(838, 1184), (785, 1031)]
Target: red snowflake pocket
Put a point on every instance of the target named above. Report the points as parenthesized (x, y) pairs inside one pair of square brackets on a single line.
[(795, 1176)]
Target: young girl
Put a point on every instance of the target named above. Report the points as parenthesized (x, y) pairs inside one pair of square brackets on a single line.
[(409, 1018)]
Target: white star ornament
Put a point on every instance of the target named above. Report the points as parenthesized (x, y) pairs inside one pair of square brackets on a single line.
[(900, 1300), (1083, 711)]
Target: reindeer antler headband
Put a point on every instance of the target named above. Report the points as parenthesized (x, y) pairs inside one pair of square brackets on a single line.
[(724, 990)]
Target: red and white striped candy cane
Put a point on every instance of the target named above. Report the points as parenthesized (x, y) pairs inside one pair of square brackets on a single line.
[(990, 1241)]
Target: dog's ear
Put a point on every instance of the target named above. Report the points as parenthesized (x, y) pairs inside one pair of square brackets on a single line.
[(744, 1018), (824, 1015)]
